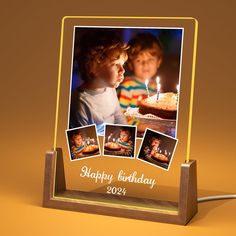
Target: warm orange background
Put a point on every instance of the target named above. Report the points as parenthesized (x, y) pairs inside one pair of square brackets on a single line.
[(29, 62)]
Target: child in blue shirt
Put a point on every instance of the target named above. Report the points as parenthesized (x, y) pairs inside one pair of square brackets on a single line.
[(77, 146), (101, 58), (125, 142)]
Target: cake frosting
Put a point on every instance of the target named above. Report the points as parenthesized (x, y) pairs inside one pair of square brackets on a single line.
[(90, 149), (112, 146), (165, 107)]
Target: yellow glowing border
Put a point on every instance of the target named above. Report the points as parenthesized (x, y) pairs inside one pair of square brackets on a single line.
[(132, 17)]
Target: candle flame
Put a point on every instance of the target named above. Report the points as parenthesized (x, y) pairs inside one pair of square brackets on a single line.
[(146, 82), (158, 79), (177, 87)]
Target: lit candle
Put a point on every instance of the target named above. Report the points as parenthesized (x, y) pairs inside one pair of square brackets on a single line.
[(177, 95), (166, 153), (158, 87), (114, 140), (146, 83)]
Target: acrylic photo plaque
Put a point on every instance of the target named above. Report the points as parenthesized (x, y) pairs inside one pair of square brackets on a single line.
[(123, 114)]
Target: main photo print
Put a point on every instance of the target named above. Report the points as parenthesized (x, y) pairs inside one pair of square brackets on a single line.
[(126, 76)]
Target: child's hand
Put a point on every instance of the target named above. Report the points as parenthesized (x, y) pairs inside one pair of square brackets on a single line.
[(154, 150)]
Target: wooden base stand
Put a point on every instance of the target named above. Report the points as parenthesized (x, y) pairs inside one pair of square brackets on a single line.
[(57, 196)]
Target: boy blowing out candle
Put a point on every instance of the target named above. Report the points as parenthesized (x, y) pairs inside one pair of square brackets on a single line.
[(100, 60)]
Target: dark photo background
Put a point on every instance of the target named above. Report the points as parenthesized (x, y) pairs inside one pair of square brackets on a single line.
[(171, 39)]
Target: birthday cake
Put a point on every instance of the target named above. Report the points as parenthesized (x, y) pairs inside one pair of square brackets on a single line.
[(161, 157), (111, 146), (165, 107), (90, 149)]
